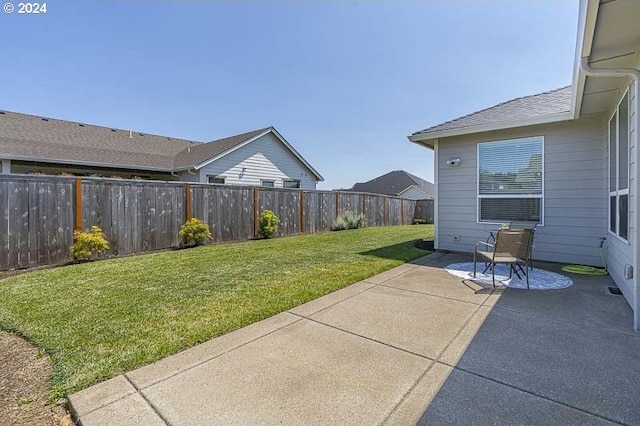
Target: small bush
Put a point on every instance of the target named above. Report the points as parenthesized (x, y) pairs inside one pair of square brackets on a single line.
[(268, 223), (88, 243), (194, 232), (348, 220), (419, 221)]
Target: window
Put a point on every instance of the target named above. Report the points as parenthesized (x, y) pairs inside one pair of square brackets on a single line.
[(619, 170), (216, 179), (510, 180), (291, 184), (268, 183)]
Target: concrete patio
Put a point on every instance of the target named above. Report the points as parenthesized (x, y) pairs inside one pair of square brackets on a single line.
[(411, 345)]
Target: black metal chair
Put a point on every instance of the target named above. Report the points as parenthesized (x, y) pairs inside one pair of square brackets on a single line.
[(512, 247)]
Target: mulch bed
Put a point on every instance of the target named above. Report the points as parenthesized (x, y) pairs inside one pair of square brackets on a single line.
[(23, 385)]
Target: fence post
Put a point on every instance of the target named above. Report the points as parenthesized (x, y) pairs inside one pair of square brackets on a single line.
[(79, 204), (255, 211), (301, 211), (401, 212), (187, 203), (384, 212), (337, 203), (364, 205)]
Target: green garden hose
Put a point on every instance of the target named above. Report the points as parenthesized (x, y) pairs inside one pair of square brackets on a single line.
[(589, 270)]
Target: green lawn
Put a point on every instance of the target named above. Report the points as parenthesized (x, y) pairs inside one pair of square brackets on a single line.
[(99, 319)]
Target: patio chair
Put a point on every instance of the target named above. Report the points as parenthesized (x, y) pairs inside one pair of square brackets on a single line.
[(512, 247), (526, 225)]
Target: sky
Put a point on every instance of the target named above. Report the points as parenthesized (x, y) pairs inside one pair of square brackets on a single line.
[(345, 82)]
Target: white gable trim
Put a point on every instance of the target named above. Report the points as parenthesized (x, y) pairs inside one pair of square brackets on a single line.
[(248, 141), (428, 138), (297, 155), (230, 150), (416, 187)]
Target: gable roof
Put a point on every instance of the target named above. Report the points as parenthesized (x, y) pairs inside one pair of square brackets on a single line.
[(32, 138), (394, 183), (203, 154), (554, 105), (194, 155)]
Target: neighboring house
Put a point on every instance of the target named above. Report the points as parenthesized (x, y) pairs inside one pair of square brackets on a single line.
[(262, 157), (398, 183), (566, 159)]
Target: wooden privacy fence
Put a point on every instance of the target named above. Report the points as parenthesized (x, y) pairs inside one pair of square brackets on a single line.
[(40, 213), (424, 210)]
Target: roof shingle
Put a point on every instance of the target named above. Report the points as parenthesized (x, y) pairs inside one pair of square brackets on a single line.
[(527, 107)]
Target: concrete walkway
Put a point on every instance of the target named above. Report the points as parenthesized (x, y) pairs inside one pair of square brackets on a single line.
[(411, 345)]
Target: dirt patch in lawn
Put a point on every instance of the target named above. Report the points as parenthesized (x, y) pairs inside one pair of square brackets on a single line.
[(23, 385)]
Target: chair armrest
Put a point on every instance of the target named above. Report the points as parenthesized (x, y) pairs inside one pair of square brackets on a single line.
[(484, 244)]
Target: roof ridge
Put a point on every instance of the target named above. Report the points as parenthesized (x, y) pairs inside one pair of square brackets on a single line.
[(413, 177), (491, 107), (101, 127), (239, 134)]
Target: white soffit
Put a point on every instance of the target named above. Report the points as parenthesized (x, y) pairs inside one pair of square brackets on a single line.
[(616, 41)]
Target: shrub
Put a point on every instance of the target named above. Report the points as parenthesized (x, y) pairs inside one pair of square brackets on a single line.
[(88, 243), (348, 220), (268, 223), (194, 232), (419, 221)]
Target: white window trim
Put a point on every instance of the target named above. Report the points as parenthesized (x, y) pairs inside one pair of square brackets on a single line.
[(478, 196), (217, 177), (618, 192), (262, 181)]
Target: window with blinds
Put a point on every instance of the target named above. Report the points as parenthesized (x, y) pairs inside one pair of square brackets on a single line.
[(511, 181), (291, 184), (619, 170)]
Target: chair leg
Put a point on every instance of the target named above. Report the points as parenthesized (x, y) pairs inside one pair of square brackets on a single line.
[(515, 269), (474, 263), (493, 274), (526, 268)]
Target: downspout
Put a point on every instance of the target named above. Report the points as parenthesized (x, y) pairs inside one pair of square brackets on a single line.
[(436, 205), (609, 72), (635, 74)]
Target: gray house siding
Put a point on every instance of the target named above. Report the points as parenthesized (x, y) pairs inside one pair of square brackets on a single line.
[(263, 159), (193, 177), (575, 197)]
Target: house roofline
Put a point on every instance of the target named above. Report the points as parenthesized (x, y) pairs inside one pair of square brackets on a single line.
[(587, 17), (252, 139), (205, 163), (428, 139)]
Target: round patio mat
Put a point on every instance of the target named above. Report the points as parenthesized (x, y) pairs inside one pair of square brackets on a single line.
[(539, 279)]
